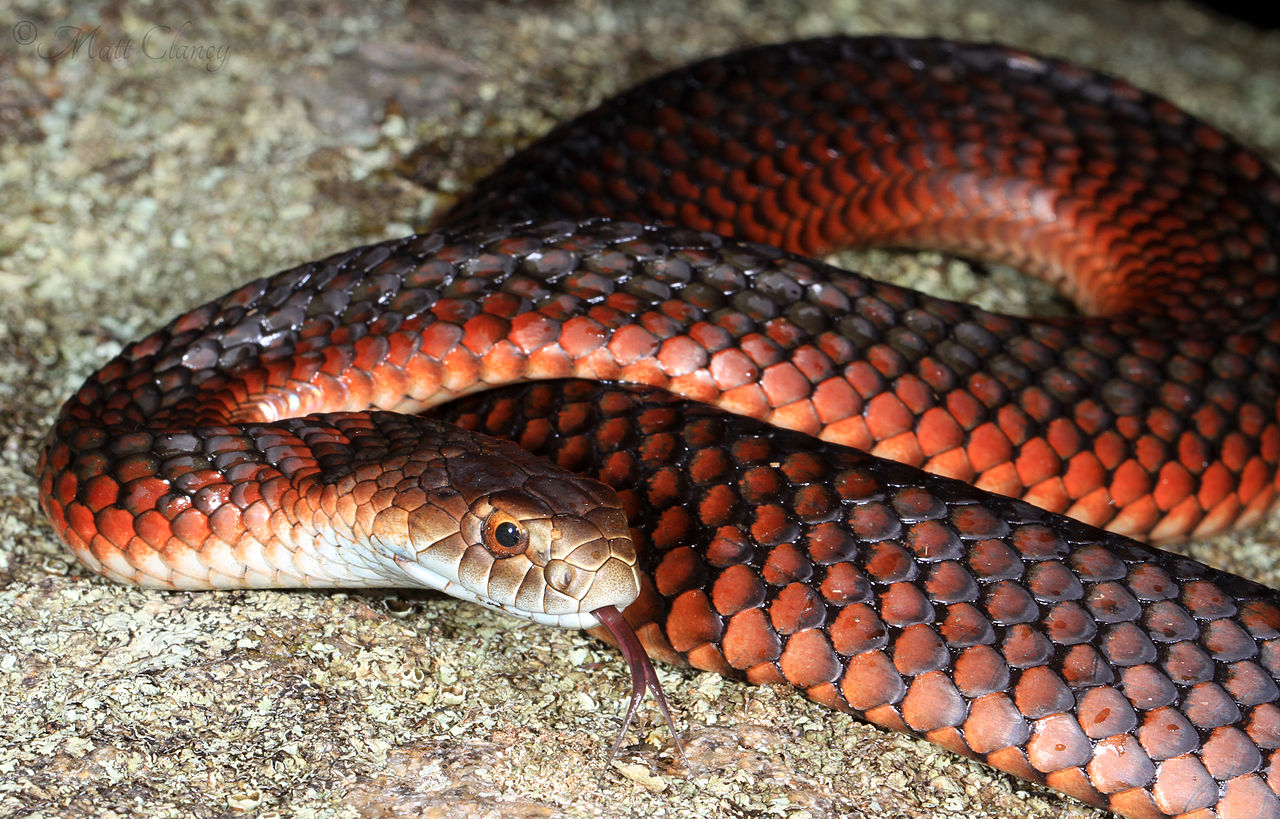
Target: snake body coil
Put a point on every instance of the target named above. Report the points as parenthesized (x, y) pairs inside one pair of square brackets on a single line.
[(216, 451)]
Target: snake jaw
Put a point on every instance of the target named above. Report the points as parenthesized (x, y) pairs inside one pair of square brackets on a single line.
[(643, 675)]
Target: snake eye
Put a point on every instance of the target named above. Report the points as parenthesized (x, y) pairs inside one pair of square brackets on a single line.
[(504, 536), (507, 535)]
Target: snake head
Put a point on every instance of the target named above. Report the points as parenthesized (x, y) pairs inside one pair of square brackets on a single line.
[(509, 531), (558, 545)]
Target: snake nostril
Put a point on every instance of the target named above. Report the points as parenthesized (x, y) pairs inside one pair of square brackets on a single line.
[(560, 576)]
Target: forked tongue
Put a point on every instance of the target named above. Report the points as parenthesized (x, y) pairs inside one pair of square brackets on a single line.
[(642, 674)]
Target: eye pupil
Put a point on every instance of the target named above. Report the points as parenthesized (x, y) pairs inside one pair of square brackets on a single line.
[(507, 534)]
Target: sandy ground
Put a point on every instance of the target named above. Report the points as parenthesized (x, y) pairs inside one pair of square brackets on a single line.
[(166, 155)]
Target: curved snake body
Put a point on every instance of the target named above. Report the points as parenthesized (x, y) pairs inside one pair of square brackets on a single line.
[(204, 454)]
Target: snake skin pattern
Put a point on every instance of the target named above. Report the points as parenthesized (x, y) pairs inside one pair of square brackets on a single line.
[(1116, 673), (1158, 422), (1128, 677)]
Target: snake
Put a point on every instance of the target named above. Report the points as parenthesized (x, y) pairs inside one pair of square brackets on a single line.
[(723, 452)]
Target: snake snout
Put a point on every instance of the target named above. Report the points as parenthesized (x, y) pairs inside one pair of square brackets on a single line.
[(572, 591), (616, 583), (595, 560)]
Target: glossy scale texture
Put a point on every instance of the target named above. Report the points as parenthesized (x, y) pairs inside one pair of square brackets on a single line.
[(1128, 677), (1158, 422), (1042, 645)]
